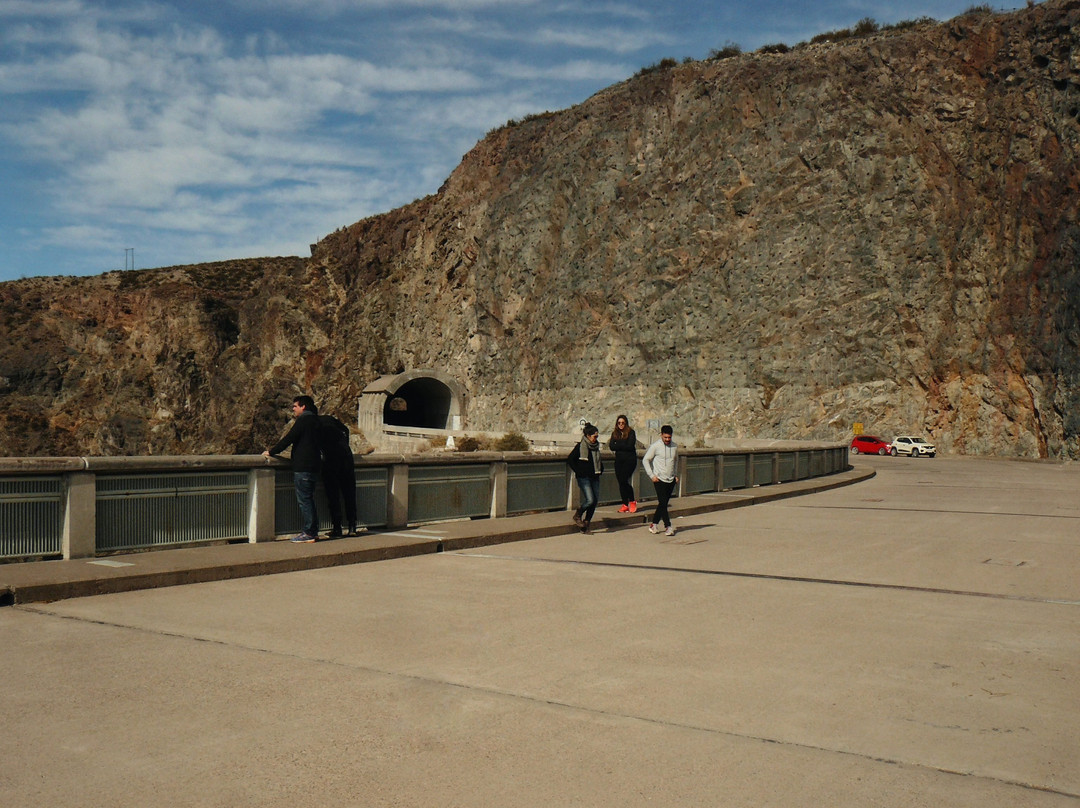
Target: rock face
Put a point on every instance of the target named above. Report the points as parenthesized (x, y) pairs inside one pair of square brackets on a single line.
[(882, 231)]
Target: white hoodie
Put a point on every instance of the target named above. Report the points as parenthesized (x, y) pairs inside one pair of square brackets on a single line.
[(659, 461)]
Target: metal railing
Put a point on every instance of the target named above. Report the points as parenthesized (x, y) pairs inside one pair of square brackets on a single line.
[(82, 507), (151, 510)]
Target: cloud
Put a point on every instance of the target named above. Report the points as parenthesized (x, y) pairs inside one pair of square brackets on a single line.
[(93, 236), (614, 40), (575, 70), (153, 129), (177, 110), (575, 33), (341, 7), (40, 8), (624, 10)]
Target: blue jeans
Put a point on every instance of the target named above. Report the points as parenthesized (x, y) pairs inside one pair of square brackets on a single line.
[(305, 482), (590, 495)]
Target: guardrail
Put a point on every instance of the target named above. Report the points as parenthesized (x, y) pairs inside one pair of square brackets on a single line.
[(82, 507)]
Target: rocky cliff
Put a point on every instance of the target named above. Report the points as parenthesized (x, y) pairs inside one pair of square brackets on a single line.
[(881, 231)]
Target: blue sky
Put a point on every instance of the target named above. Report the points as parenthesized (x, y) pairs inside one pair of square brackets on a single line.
[(203, 130)]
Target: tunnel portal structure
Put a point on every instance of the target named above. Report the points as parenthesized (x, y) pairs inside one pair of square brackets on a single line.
[(415, 399)]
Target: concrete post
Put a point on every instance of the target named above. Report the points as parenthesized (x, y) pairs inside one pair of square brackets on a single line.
[(397, 504), (719, 471), (262, 504), (80, 515), (775, 468), (573, 493), (680, 472), (750, 481), (498, 489)]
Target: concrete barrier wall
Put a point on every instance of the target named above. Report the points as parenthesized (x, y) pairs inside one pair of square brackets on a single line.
[(68, 507)]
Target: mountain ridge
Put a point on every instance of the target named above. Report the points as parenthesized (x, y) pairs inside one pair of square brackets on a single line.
[(878, 231)]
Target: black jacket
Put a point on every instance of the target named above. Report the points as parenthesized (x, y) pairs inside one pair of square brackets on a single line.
[(303, 437), (583, 468), (334, 442), (624, 445)]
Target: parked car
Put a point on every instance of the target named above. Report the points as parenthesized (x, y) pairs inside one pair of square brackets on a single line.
[(869, 444), (909, 445)]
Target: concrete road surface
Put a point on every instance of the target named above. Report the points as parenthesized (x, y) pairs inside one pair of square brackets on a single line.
[(912, 640)]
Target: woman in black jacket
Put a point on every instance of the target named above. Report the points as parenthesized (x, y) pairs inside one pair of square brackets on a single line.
[(584, 459), (623, 443)]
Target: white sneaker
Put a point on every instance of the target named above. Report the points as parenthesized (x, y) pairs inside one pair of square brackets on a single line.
[(653, 529), (670, 531)]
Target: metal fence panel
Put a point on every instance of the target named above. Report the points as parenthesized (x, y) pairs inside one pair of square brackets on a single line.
[(700, 475), (802, 460), (763, 469), (536, 487), (31, 516), (835, 460), (148, 510), (787, 470), (372, 496), (449, 492), (372, 492), (734, 471)]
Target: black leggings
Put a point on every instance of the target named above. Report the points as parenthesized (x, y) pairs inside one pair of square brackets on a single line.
[(625, 466)]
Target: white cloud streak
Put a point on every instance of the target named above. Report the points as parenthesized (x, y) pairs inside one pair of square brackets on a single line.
[(39, 8), (176, 111), (212, 130)]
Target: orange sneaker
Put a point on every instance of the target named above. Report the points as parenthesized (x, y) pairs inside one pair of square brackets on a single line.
[(624, 508), (633, 507)]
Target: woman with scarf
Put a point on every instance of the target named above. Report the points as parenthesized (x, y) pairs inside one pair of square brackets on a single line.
[(584, 459), (623, 443)]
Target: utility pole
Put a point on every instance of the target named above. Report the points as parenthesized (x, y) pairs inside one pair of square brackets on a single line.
[(129, 258)]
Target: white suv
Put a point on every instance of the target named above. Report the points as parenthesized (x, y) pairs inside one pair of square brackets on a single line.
[(907, 445)]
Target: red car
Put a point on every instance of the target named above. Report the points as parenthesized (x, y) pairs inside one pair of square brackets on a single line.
[(869, 444)]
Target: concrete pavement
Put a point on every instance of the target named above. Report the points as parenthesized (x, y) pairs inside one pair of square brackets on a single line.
[(908, 640)]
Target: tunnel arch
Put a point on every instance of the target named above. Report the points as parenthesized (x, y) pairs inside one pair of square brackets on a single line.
[(416, 399)]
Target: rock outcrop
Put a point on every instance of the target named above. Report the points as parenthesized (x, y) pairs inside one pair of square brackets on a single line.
[(880, 231)]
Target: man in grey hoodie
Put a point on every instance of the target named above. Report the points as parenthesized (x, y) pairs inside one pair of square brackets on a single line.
[(660, 464)]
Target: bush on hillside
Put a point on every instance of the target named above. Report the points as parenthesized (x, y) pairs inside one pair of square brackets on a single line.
[(865, 27), (729, 50), (512, 442), (468, 444), (663, 64)]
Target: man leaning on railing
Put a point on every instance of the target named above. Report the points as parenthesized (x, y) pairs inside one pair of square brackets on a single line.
[(303, 437)]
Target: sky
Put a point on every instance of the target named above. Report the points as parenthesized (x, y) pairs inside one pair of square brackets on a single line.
[(142, 133)]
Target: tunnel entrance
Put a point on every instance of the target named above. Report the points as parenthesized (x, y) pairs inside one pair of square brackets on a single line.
[(416, 399), (422, 403)]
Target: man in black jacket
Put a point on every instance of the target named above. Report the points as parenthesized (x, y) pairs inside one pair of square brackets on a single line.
[(303, 437), (339, 473)]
